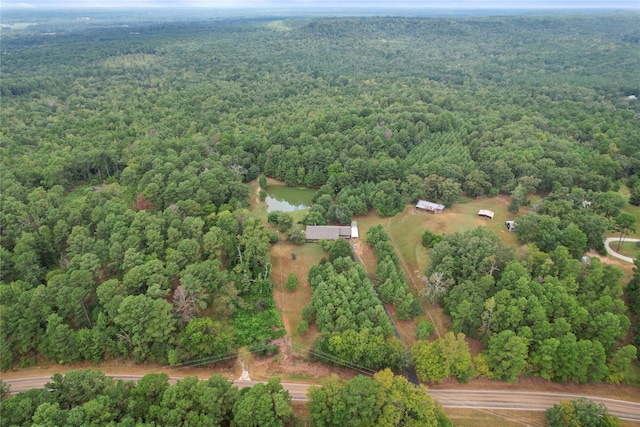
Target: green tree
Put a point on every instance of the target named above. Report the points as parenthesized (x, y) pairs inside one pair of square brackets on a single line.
[(339, 249), (447, 356), (203, 338), (507, 355), (625, 223), (292, 282), (263, 405), (430, 239), (580, 412), (518, 197), (146, 325), (619, 364)]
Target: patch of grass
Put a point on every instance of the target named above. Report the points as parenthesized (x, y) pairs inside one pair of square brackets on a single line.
[(290, 304), (75, 199), (630, 249), (633, 374), (300, 377), (494, 418)]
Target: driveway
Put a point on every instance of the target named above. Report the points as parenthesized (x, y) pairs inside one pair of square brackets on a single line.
[(615, 254)]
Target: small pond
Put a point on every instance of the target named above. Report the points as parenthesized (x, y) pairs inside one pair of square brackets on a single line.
[(288, 199)]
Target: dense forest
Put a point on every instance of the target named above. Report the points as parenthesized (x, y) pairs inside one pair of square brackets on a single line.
[(127, 146)]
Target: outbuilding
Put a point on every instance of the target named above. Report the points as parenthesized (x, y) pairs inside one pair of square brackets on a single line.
[(354, 230), (485, 213), (510, 225), (434, 208), (328, 232)]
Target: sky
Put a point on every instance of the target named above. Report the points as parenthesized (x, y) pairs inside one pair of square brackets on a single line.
[(368, 4)]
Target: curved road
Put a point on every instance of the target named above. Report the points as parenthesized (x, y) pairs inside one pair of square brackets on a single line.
[(615, 254), (470, 399)]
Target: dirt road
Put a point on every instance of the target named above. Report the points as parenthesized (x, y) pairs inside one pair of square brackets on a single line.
[(470, 399)]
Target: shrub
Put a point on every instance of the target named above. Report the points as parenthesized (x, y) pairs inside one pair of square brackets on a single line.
[(292, 282), (429, 239), (424, 330), (296, 237), (303, 327)]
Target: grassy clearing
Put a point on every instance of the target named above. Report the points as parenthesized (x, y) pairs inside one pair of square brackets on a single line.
[(627, 249), (494, 418), (406, 228), (290, 304)]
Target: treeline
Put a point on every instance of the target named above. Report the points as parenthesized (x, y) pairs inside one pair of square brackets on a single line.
[(88, 397), (354, 329), (542, 314), (391, 281), (100, 278)]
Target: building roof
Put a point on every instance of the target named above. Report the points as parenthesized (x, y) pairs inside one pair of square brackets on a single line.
[(327, 232), (423, 204), (354, 230), (486, 212)]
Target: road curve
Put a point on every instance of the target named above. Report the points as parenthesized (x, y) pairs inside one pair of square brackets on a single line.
[(615, 254), (470, 399)]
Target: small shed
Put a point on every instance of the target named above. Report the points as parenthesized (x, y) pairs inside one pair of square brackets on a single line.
[(510, 225), (354, 230), (429, 206), (486, 213)]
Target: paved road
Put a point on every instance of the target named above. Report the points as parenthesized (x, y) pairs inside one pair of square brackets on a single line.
[(471, 399), (615, 254)]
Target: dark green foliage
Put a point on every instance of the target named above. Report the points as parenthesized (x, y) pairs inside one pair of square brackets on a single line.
[(430, 239), (90, 398), (634, 198), (340, 248), (469, 255), (351, 319), (559, 317), (263, 405), (390, 278), (376, 234), (507, 355)]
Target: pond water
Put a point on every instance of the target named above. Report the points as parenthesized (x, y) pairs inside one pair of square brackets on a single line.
[(288, 199)]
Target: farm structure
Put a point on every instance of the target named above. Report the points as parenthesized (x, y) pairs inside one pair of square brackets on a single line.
[(485, 213), (434, 208), (510, 225), (331, 232)]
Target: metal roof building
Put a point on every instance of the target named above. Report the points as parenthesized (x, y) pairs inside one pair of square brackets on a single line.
[(328, 232), (429, 206), (486, 213)]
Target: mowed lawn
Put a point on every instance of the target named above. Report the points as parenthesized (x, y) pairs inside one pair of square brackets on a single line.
[(630, 249), (494, 418)]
